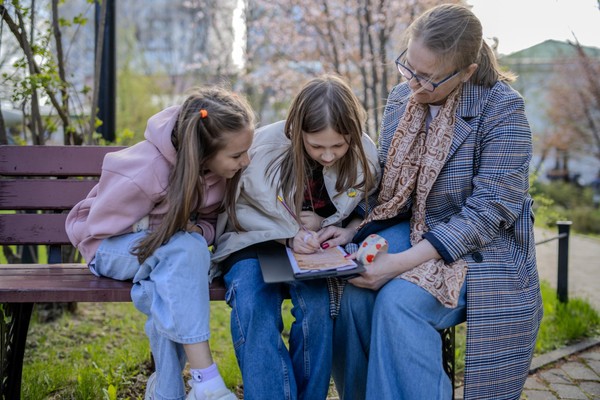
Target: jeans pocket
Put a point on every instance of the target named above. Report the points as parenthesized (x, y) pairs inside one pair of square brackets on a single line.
[(237, 332)]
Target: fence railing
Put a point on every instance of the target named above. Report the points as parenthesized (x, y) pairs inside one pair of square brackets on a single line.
[(562, 282)]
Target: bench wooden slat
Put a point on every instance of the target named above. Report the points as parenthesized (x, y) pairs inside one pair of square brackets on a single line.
[(43, 194), (24, 283), (44, 284), (67, 268), (33, 229), (53, 160)]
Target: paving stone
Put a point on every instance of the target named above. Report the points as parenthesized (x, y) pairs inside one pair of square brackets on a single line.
[(592, 355), (591, 388), (555, 375), (535, 383), (578, 371), (539, 395), (594, 365), (574, 378), (568, 391)]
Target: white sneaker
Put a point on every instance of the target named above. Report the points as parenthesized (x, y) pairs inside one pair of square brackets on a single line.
[(221, 394), (150, 387)]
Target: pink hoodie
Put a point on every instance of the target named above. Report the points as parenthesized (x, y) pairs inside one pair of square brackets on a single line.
[(133, 185)]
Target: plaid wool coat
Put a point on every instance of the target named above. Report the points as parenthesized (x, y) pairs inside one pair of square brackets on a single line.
[(479, 210)]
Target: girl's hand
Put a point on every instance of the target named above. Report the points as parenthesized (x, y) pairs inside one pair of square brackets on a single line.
[(311, 220), (306, 242), (192, 227), (335, 236)]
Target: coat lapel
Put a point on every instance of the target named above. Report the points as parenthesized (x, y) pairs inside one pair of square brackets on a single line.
[(467, 114)]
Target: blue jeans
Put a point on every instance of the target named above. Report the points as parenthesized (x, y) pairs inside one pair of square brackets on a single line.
[(393, 335), (269, 369), (171, 288)]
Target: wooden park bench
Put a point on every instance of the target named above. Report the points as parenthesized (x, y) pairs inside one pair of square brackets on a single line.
[(38, 186)]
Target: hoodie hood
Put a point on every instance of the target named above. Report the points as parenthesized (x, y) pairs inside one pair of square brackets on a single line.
[(158, 132)]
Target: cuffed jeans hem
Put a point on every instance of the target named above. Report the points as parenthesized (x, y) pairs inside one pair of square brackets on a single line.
[(190, 340), (157, 396)]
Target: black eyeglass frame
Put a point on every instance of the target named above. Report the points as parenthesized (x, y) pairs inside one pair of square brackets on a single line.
[(424, 82)]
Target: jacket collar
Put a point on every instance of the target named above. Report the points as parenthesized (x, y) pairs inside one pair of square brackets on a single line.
[(470, 106)]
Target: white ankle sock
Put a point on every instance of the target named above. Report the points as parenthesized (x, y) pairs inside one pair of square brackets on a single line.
[(207, 379)]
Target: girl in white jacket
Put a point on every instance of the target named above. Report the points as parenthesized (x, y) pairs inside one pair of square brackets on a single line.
[(322, 165)]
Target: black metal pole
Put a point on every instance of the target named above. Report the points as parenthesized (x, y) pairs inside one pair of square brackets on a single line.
[(107, 89), (562, 285)]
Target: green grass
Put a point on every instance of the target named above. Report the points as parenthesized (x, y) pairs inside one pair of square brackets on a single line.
[(102, 352), (99, 349), (565, 323)]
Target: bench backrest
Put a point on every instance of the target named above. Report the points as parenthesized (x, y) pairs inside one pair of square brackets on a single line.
[(39, 184)]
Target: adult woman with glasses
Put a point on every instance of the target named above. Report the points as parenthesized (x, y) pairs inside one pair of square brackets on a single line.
[(456, 146)]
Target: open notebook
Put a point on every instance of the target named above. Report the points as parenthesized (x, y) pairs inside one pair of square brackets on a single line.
[(279, 264)]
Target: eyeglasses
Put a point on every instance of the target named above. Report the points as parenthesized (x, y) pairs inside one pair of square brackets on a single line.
[(425, 83)]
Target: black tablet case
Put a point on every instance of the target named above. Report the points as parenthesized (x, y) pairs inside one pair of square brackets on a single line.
[(276, 267)]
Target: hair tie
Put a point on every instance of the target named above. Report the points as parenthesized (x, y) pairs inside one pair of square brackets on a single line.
[(203, 113)]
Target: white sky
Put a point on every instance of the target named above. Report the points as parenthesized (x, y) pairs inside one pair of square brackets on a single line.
[(520, 24)]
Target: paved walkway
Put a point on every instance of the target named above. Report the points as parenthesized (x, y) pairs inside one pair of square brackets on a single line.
[(569, 373), (584, 264), (572, 372)]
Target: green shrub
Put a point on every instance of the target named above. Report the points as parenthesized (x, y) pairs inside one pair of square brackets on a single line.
[(557, 201), (543, 206), (585, 219), (564, 194)]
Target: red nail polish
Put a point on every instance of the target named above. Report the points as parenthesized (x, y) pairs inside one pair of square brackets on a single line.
[(325, 245)]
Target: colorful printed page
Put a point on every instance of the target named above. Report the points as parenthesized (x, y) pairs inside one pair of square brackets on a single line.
[(328, 259)]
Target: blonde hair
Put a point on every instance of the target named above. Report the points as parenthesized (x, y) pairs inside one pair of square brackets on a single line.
[(454, 33), (323, 102), (197, 140)]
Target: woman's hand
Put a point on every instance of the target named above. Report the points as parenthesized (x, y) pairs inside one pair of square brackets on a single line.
[(383, 269), (311, 220), (387, 266), (335, 236), (306, 242)]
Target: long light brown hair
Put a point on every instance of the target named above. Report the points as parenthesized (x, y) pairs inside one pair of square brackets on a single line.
[(454, 33), (196, 141), (323, 102)]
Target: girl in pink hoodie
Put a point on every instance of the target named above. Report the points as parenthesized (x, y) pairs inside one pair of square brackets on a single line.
[(151, 219)]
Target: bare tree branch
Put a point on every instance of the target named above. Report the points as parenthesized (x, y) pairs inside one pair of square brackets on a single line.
[(60, 61), (26, 47)]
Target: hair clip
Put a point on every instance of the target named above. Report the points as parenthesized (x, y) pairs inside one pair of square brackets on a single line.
[(203, 113)]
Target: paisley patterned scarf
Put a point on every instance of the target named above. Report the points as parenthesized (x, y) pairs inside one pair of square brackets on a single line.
[(415, 159)]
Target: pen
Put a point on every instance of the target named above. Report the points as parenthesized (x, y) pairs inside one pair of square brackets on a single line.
[(289, 210)]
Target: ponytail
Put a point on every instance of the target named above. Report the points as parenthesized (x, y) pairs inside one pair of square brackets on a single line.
[(198, 136), (488, 71)]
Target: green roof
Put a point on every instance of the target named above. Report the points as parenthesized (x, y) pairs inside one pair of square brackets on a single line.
[(547, 51)]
